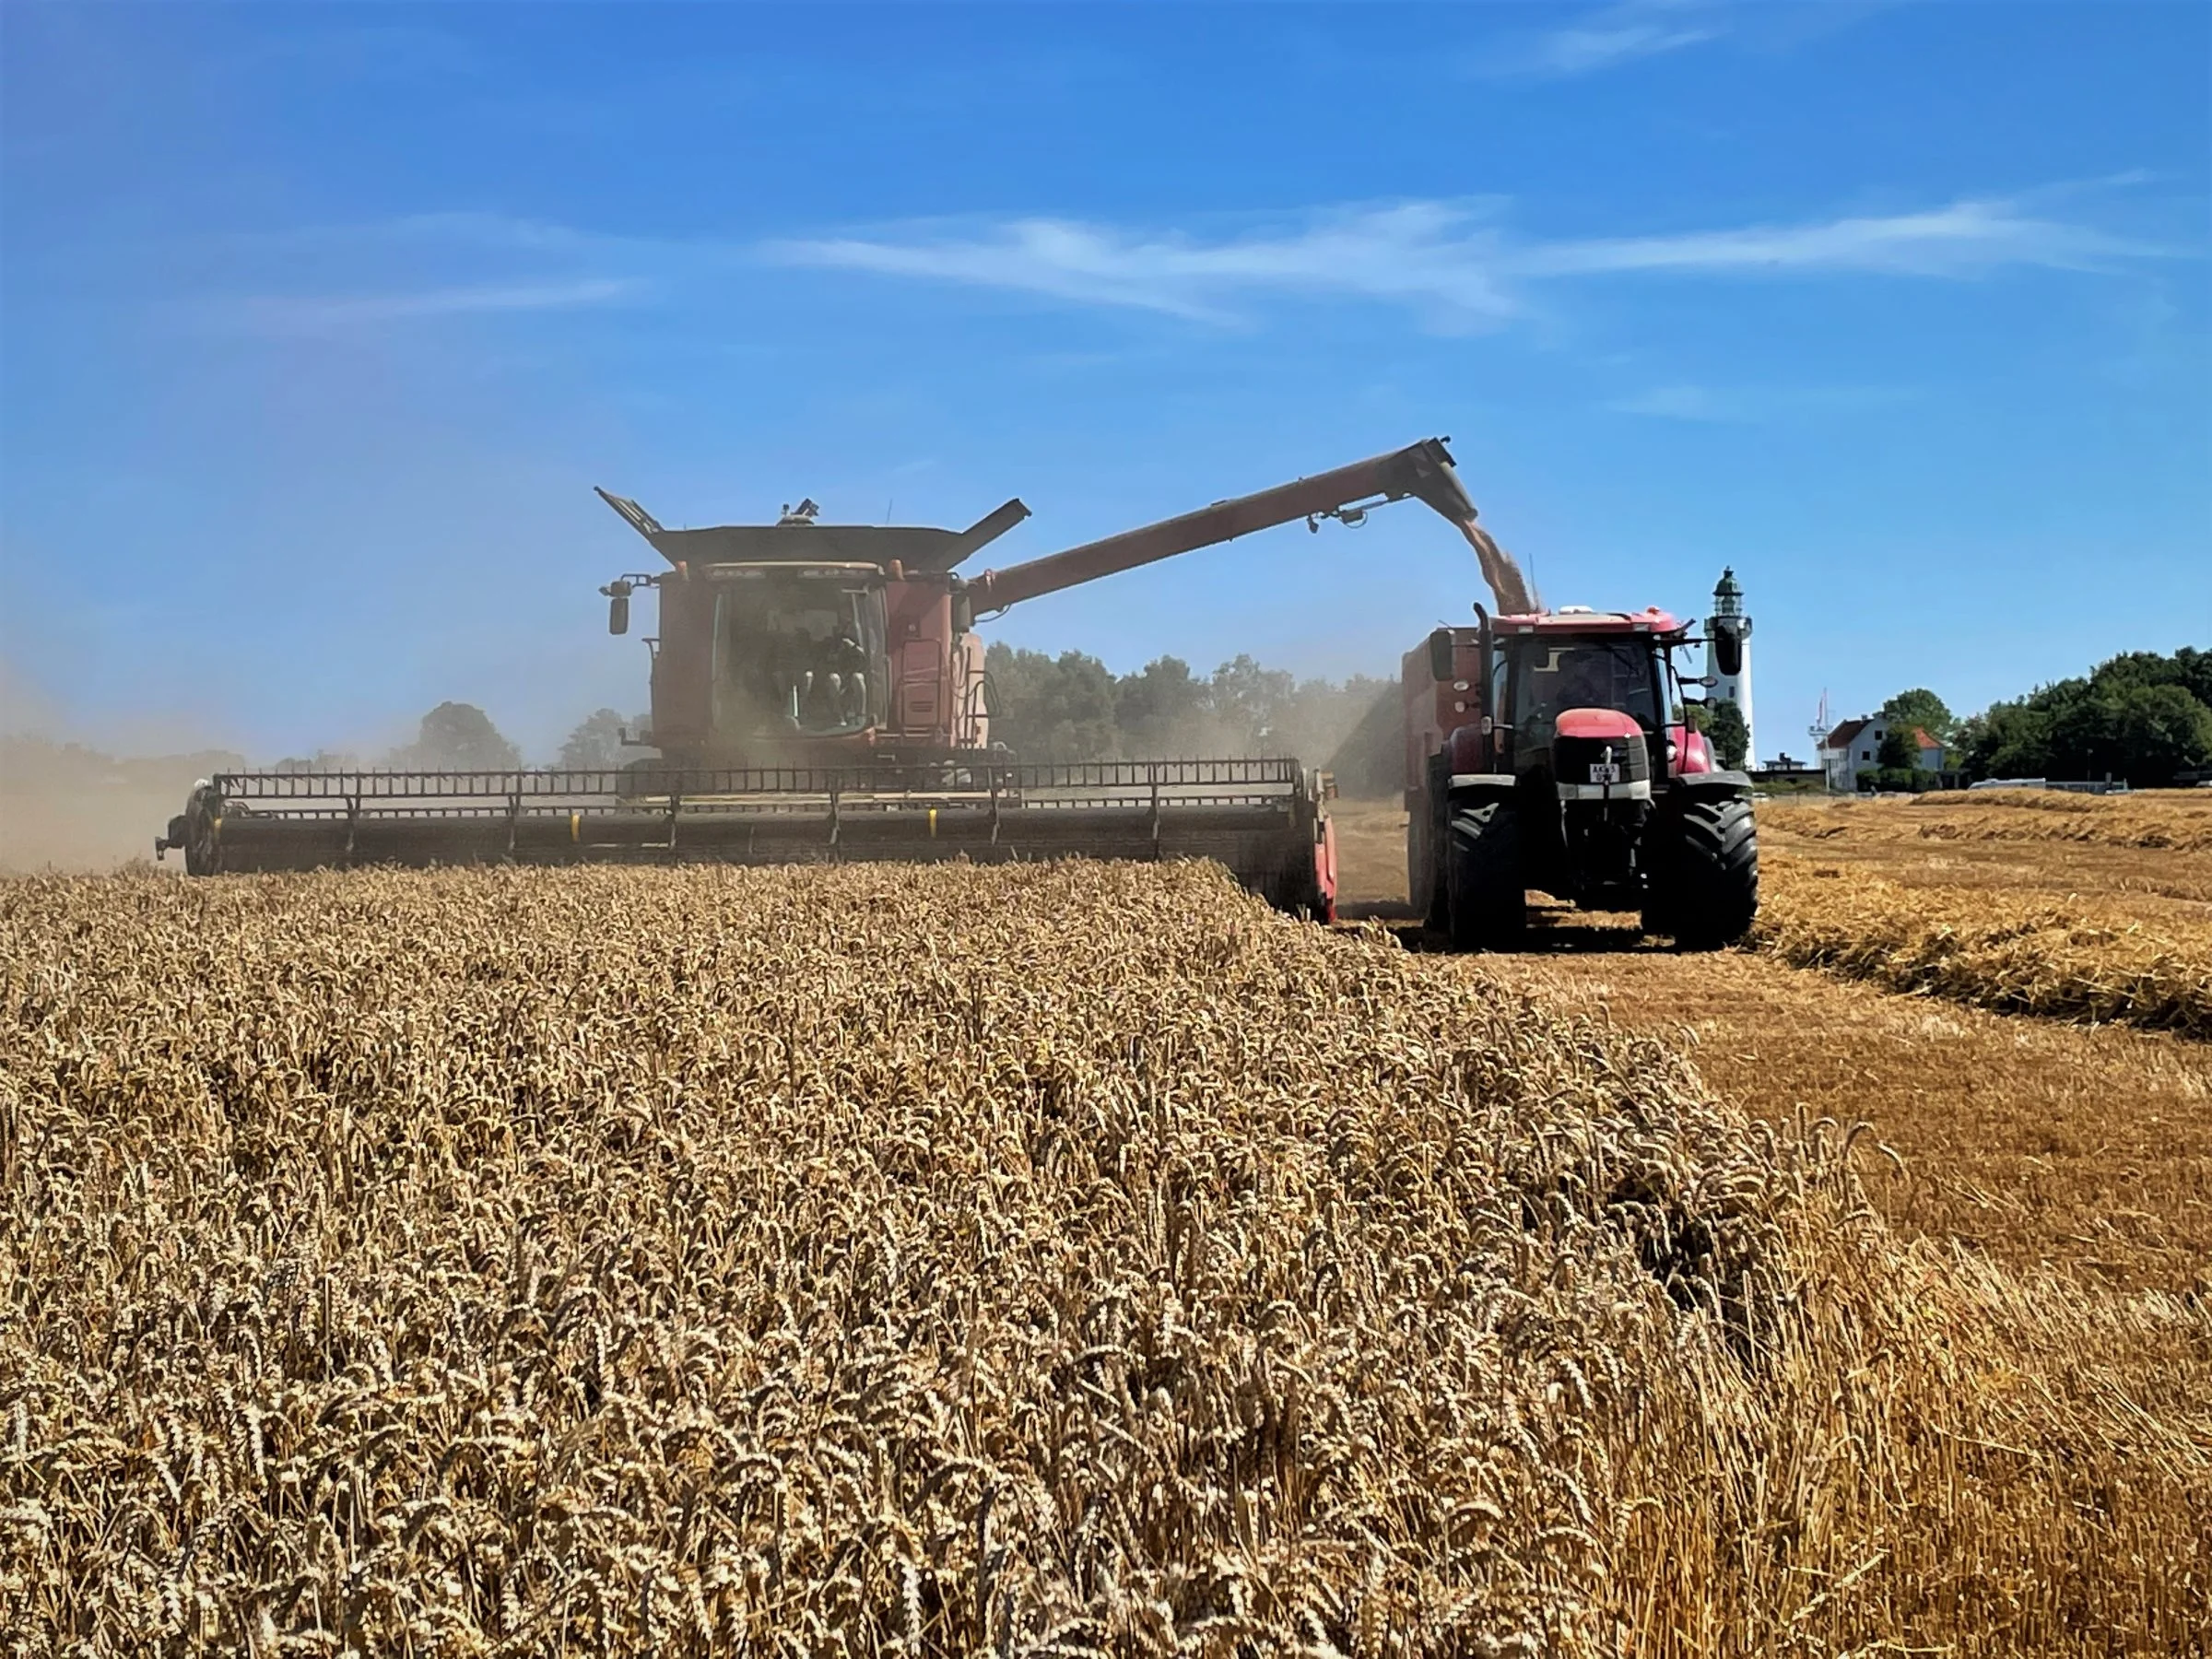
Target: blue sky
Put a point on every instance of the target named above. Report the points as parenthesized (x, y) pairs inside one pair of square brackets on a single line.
[(317, 324)]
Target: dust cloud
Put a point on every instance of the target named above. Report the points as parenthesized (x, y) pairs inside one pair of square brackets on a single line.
[(67, 808)]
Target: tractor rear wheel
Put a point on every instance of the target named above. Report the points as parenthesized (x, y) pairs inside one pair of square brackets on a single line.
[(1485, 902), (1703, 882)]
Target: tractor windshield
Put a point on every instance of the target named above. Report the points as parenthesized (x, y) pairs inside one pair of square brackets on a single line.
[(797, 652), (1619, 673)]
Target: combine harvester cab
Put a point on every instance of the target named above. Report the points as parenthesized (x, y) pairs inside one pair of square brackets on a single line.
[(1547, 750), (818, 692)]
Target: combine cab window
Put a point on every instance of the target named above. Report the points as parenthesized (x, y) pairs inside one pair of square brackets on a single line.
[(1618, 674), (797, 654)]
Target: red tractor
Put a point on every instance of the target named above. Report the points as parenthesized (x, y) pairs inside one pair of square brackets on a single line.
[(1550, 750)]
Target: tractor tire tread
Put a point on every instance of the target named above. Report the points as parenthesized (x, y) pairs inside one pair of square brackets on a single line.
[(1486, 905), (1705, 884)]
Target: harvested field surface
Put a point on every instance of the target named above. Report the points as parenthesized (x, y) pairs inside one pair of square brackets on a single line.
[(2098, 960), (1371, 855), (2150, 850), (1061, 1259), (2077, 907), (2036, 1143), (2087, 927), (2161, 820)]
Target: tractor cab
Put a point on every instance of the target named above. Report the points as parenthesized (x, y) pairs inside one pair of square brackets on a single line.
[(1580, 712), (1563, 694)]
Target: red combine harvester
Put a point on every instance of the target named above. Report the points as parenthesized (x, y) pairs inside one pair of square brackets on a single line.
[(818, 692), (1548, 750)]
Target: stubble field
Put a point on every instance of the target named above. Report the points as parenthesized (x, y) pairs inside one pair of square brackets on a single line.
[(2080, 1140), (1051, 1260)]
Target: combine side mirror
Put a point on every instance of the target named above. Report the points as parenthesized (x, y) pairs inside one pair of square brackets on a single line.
[(1441, 665), (1727, 645), (617, 607)]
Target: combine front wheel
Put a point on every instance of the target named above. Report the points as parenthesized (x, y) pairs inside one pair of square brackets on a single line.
[(1485, 898), (1705, 882)]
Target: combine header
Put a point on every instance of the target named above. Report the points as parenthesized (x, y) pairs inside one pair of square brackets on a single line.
[(818, 692)]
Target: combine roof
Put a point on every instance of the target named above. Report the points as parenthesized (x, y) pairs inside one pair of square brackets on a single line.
[(917, 546), (810, 544)]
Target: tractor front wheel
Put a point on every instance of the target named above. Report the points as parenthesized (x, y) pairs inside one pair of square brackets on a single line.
[(1486, 901), (1702, 874)]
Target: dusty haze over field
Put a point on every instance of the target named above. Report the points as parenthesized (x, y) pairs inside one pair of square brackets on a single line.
[(66, 807)]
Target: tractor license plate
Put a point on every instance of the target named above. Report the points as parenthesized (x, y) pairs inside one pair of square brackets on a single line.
[(1605, 772)]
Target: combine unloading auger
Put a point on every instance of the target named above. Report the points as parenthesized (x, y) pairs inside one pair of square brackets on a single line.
[(818, 692)]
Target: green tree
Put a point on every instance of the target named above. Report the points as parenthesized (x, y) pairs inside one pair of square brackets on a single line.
[(1323, 713), (2135, 716), (1161, 711), (596, 742), (2085, 736), (1725, 730), (1899, 750), (2194, 670), (2163, 730), (1052, 709), (458, 737), (1919, 707), (1249, 702)]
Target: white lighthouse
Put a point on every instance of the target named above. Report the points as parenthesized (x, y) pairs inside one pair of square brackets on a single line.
[(1729, 617)]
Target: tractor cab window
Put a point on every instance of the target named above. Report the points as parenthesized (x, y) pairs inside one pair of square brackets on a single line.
[(1619, 674), (797, 654)]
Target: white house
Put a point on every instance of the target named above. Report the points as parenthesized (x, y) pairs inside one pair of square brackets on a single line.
[(1856, 746)]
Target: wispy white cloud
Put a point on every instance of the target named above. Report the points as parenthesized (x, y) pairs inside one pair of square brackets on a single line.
[(1454, 262), (1458, 265), (1430, 253), (1612, 36), (1966, 239), (325, 313)]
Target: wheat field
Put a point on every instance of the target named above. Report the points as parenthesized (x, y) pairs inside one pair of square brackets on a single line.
[(842, 1260), (1041, 1260)]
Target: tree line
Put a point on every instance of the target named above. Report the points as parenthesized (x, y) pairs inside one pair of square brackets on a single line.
[(1064, 708), (1073, 707), (458, 737), (2139, 718)]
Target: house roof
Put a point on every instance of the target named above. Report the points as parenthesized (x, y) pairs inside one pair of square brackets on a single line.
[(1926, 741), (1842, 736)]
